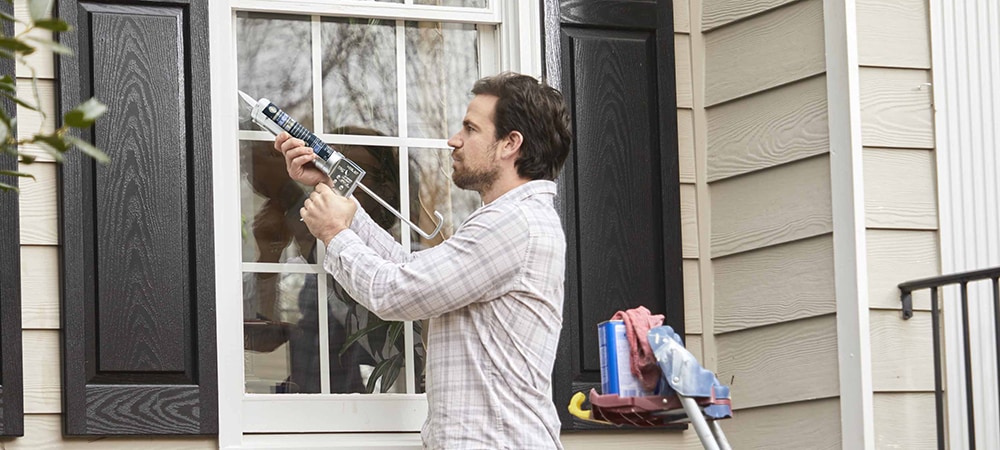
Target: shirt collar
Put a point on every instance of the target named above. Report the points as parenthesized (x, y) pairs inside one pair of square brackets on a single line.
[(528, 189)]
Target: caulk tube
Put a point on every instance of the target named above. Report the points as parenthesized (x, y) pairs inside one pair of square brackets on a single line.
[(345, 173)]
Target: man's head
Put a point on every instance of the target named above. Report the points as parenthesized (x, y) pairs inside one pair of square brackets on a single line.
[(515, 129), (538, 114)]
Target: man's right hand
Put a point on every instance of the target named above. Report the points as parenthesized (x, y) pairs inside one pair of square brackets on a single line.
[(297, 160)]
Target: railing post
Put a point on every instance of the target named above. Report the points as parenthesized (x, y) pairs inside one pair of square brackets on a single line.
[(967, 347), (938, 389)]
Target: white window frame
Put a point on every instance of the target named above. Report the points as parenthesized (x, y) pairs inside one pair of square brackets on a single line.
[(303, 421)]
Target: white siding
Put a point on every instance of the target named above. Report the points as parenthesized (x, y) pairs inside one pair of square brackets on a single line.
[(966, 39)]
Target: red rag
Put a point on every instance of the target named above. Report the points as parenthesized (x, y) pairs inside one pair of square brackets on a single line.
[(638, 322)]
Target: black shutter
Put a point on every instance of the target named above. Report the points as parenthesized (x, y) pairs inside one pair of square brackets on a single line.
[(138, 295), (11, 395), (620, 192)]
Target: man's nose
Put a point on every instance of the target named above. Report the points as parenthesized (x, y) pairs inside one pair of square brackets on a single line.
[(455, 141)]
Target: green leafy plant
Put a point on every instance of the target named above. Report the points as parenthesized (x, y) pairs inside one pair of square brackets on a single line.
[(386, 344), (59, 141)]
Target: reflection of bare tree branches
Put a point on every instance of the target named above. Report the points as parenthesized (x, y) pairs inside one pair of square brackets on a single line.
[(275, 61), (359, 74)]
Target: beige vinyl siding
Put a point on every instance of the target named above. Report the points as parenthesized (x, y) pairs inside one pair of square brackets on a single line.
[(685, 145), (895, 256), (805, 425), (768, 129), (781, 363), (900, 213), (641, 440), (770, 242), (772, 298), (39, 221), (894, 33), (720, 12), (779, 46), (686, 168), (900, 191), (778, 205), (904, 420)]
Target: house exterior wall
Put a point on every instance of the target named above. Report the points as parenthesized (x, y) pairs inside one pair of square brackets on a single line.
[(40, 282), (965, 36), (758, 255), (900, 213), (767, 185)]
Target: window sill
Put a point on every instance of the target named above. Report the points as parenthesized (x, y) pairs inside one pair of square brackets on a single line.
[(360, 441)]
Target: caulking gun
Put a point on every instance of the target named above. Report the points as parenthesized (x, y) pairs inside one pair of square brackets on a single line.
[(346, 175)]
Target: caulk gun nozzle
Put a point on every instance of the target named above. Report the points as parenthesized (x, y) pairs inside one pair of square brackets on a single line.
[(250, 101)]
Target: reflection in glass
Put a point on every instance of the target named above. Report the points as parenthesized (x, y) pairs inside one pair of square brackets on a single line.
[(359, 74), (275, 62), (381, 166), (281, 338), (442, 62), (430, 169), (464, 3), (269, 202)]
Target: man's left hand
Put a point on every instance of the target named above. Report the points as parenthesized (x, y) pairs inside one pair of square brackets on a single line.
[(326, 213)]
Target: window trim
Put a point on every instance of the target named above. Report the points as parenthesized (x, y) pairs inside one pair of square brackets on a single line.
[(518, 42)]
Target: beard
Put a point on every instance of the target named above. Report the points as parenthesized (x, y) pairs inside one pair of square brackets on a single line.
[(478, 179)]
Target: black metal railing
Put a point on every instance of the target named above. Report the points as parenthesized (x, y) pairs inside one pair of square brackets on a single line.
[(934, 283)]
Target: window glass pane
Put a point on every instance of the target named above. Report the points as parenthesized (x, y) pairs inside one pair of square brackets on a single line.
[(270, 201), (430, 170), (381, 166), (442, 62), (279, 334), (275, 62), (359, 74), (465, 3), (376, 345)]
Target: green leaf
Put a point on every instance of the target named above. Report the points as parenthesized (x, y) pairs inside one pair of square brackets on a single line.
[(39, 9), (7, 17), (52, 45), (7, 187), (17, 100), (56, 25), (6, 54), (395, 330), (88, 149), (52, 140), (26, 158), (360, 334), (389, 378), (7, 84), (17, 174), (84, 114), (16, 45), (54, 153), (380, 369)]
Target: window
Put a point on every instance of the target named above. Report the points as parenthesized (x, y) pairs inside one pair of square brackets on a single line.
[(386, 83)]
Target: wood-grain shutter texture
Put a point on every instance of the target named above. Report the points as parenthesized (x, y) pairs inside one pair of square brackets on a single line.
[(620, 195), (11, 382), (138, 296)]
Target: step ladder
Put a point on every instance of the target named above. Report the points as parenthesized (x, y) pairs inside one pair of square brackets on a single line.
[(691, 394)]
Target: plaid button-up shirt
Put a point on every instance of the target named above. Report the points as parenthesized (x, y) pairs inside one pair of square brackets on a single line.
[(493, 293)]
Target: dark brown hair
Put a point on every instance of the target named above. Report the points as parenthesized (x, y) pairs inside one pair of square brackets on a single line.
[(539, 113)]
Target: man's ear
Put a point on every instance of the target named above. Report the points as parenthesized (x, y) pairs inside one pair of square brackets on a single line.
[(512, 145)]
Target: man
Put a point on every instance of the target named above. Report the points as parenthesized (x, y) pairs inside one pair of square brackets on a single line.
[(493, 291)]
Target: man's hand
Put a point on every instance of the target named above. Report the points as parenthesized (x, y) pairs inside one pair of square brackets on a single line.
[(326, 213), (297, 160)]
